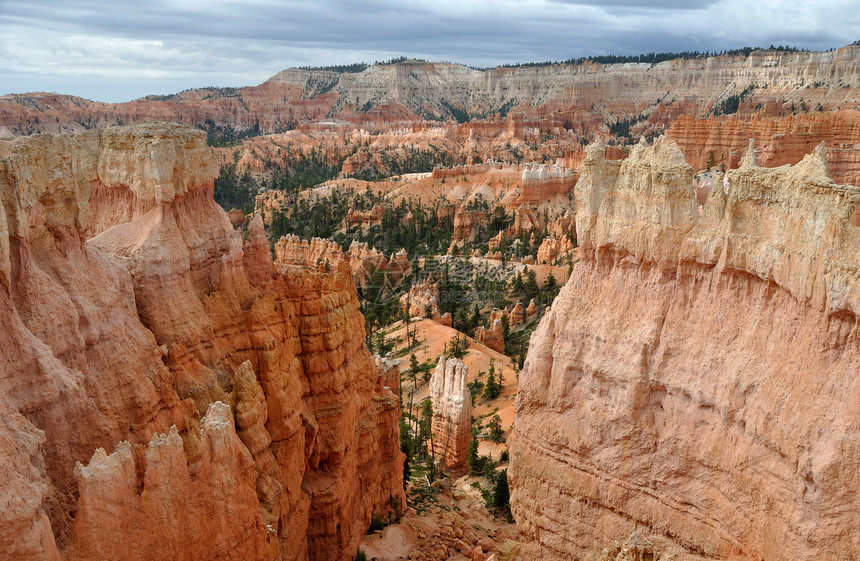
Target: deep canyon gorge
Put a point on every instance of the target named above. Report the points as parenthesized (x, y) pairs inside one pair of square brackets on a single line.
[(425, 311)]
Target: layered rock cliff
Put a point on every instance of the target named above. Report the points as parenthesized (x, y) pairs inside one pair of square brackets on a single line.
[(714, 142), (540, 98), (168, 391), (696, 379)]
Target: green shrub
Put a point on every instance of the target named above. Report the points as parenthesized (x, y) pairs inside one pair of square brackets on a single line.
[(376, 523)]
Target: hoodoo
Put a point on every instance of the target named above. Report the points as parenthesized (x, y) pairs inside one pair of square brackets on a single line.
[(696, 378), (452, 411), (169, 391)]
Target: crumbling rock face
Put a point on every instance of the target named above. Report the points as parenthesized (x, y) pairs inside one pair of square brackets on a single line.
[(452, 412), (531, 309), (492, 336), (525, 220), (553, 251), (364, 263), (130, 307), (177, 514), (518, 314), (694, 380), (466, 224), (421, 299)]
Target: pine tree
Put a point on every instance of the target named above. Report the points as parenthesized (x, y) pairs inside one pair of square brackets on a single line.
[(517, 284), (475, 464), (414, 367), (502, 493), (495, 428), (475, 320), (493, 387), (530, 286)]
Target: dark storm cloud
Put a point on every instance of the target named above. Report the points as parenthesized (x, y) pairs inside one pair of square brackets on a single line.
[(159, 46)]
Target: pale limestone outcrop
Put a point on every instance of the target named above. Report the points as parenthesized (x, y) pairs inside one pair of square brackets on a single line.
[(693, 379), (420, 299), (543, 182), (452, 412), (130, 305)]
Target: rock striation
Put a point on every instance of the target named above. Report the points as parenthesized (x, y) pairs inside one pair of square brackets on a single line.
[(363, 263), (539, 99), (168, 391), (695, 378), (451, 425), (779, 141), (542, 182)]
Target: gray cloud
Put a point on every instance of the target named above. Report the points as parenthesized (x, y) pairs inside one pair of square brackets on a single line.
[(112, 51), (643, 4)]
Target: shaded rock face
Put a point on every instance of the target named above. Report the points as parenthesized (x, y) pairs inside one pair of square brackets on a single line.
[(168, 391), (452, 412), (695, 379)]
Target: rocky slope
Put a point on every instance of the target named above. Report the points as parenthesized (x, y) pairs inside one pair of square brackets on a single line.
[(695, 379), (168, 391), (545, 98)]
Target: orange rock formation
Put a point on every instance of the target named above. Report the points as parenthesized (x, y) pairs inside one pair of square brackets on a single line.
[(492, 336), (695, 379), (712, 142), (553, 251), (168, 391), (361, 261)]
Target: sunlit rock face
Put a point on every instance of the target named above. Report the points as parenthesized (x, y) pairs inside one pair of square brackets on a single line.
[(168, 391), (452, 412), (695, 380)]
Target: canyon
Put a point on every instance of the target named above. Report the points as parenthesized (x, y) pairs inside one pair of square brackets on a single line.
[(181, 382), (171, 392), (695, 378)]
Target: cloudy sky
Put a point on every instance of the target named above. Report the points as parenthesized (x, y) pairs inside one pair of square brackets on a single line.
[(113, 50)]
